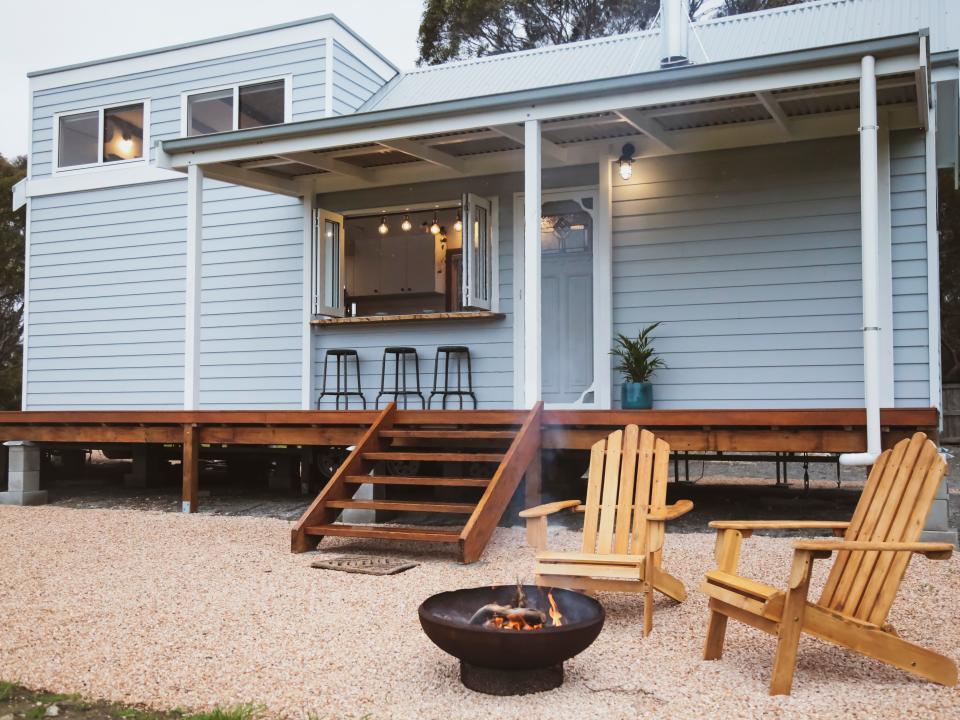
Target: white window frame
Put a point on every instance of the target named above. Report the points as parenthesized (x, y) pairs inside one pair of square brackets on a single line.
[(317, 289), (100, 164), (235, 87)]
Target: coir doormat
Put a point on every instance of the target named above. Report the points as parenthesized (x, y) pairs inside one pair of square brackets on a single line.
[(364, 564)]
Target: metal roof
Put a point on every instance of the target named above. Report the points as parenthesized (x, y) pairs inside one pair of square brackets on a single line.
[(797, 27)]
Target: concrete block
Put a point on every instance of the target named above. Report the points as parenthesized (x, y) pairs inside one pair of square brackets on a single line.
[(30, 497), (949, 536), (938, 517), (23, 458), (23, 481)]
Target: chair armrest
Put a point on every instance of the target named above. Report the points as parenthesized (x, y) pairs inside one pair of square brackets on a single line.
[(779, 524), (933, 550), (548, 508), (671, 512)]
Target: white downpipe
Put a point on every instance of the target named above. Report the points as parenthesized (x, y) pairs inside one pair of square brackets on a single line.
[(870, 248)]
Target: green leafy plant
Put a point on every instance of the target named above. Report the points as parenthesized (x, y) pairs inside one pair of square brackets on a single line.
[(638, 360)]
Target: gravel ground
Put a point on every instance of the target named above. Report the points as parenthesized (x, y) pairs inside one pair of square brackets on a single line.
[(195, 611)]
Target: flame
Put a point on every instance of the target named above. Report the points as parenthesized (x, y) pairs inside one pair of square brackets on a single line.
[(555, 614), (512, 622)]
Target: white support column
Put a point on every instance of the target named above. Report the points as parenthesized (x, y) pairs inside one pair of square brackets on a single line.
[(532, 203), (933, 260), (870, 262), (603, 295), (309, 263), (191, 346)]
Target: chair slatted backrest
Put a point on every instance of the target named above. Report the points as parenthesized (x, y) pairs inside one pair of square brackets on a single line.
[(893, 507), (627, 479)]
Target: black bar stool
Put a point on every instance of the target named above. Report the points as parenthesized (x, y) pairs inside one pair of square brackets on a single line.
[(459, 352), (400, 375), (342, 357)]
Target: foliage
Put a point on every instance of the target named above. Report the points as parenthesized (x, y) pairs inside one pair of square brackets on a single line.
[(949, 223), (11, 284), (460, 29), (6, 690), (637, 359), (237, 712)]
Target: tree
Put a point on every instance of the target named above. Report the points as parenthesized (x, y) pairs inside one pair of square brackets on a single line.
[(460, 29), (12, 225)]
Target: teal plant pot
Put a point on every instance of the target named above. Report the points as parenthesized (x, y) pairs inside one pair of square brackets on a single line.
[(636, 396)]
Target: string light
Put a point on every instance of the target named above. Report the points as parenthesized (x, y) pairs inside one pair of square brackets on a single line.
[(406, 224), (383, 226), (458, 225)]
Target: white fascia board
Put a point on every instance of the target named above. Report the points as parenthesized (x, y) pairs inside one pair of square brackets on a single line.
[(543, 111), (19, 194), (95, 180), (214, 50)]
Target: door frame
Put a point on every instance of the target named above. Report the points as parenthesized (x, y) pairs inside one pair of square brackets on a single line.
[(602, 291)]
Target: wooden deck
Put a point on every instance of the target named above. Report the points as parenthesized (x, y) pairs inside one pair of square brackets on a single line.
[(834, 430)]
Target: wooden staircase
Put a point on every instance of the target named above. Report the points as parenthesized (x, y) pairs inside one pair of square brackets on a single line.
[(483, 452)]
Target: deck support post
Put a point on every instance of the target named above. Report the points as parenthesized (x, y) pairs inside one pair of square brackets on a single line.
[(533, 481), (532, 202), (191, 333), (191, 468), (23, 475), (870, 261)]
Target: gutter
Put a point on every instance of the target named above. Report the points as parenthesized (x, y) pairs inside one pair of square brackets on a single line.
[(692, 74)]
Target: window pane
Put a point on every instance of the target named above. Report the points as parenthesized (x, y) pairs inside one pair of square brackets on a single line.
[(331, 264), (261, 104), (210, 112), (481, 268), (123, 133), (78, 141)]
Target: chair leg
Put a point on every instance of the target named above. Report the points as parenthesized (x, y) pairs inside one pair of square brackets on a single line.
[(647, 609), (716, 632), (791, 624)]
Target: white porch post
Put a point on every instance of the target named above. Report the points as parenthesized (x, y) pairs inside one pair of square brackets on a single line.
[(870, 254), (191, 335), (309, 263), (531, 266)]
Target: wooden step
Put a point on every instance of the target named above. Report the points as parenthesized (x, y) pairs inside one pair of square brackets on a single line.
[(440, 434), (417, 480), (435, 457), (389, 532), (455, 508)]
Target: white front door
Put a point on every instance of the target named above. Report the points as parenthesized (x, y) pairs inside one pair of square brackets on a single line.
[(571, 237)]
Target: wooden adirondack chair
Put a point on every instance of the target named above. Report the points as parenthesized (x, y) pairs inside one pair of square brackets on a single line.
[(623, 525), (872, 557)]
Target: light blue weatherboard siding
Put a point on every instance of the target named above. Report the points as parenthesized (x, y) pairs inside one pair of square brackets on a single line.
[(353, 81), (490, 341), (107, 281), (751, 258), (909, 240), (304, 61)]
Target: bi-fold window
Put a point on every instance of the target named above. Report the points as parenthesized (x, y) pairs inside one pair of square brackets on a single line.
[(430, 260), (237, 107), (107, 135)]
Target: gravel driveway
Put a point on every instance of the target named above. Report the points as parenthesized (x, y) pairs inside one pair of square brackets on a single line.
[(195, 611)]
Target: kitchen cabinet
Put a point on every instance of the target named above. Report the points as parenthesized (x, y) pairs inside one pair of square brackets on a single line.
[(394, 266)]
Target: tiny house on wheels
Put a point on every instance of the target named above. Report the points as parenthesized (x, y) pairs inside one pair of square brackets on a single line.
[(205, 222)]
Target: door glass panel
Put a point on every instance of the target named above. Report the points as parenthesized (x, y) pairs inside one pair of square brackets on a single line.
[(261, 104), (210, 112), (78, 139)]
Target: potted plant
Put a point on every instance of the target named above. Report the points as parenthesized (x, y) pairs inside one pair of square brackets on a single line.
[(638, 362)]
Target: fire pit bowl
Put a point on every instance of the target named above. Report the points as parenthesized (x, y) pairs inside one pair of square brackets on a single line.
[(445, 618)]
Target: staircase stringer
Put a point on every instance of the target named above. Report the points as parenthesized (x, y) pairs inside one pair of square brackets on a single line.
[(524, 448), (336, 488)]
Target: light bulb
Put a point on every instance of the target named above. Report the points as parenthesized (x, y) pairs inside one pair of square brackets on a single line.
[(383, 226), (406, 224), (626, 169), (458, 225), (435, 228)]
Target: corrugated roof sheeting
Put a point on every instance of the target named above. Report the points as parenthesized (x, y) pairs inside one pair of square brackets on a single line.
[(814, 24)]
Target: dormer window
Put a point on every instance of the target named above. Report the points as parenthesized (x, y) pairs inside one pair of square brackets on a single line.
[(237, 107), (104, 136)]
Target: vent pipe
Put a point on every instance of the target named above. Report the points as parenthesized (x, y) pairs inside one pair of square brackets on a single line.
[(674, 33)]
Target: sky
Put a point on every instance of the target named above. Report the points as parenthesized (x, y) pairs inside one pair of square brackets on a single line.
[(39, 34)]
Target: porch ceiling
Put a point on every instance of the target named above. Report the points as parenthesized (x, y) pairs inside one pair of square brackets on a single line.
[(797, 113)]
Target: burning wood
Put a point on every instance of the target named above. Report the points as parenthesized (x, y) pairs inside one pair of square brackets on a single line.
[(516, 615)]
